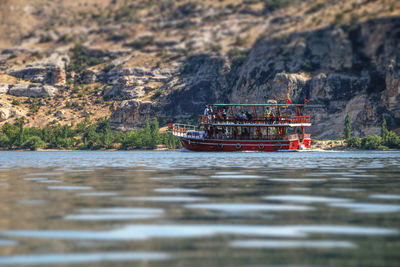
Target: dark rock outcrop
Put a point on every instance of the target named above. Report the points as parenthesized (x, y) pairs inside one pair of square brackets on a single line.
[(347, 70), (41, 74), (340, 69), (31, 90), (132, 114)]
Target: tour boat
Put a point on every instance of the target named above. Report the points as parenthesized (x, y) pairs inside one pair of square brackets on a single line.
[(247, 127)]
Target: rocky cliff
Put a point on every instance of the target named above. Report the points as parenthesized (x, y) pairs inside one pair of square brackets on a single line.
[(135, 60)]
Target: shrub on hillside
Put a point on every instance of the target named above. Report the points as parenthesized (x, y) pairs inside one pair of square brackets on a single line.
[(142, 42), (82, 58), (15, 102), (272, 5), (315, 8)]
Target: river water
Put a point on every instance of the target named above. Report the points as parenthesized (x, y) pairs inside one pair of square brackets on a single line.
[(155, 208)]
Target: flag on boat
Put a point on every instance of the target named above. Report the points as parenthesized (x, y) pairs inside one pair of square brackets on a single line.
[(288, 100)]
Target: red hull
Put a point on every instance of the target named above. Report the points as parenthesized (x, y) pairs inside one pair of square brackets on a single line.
[(216, 145)]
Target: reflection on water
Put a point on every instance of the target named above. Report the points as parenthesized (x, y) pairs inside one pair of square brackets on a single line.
[(82, 258), (368, 207), (246, 207), (200, 209), (279, 244), (113, 214), (306, 199)]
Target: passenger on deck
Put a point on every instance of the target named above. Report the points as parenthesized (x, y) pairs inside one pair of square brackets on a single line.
[(272, 118), (278, 117), (249, 116), (219, 116), (267, 117), (244, 117), (224, 114), (238, 117), (210, 113)]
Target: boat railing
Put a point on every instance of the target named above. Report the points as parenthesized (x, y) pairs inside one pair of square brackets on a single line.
[(291, 137), (259, 120), (249, 137), (299, 119), (181, 129)]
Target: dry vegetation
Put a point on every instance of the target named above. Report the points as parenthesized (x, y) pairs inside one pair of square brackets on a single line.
[(158, 34)]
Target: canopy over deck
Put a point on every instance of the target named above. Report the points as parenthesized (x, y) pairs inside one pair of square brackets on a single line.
[(261, 124), (261, 105)]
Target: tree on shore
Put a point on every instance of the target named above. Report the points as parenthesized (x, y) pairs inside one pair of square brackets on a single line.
[(347, 127), (384, 131), (84, 135), (33, 143)]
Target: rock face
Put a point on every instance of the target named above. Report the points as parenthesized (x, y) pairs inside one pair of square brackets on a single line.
[(132, 114), (7, 111), (340, 69), (344, 70), (202, 81), (45, 75), (31, 90), (4, 88), (131, 83)]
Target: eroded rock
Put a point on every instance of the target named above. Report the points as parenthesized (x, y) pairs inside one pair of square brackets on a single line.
[(4, 88), (132, 114), (32, 90), (44, 75)]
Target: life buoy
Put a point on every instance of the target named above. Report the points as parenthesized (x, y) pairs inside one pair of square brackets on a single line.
[(238, 146), (278, 145), (261, 146), (220, 146)]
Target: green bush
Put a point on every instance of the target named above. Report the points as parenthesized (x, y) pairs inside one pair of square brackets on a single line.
[(371, 142), (315, 8), (391, 140), (354, 142), (81, 59), (142, 42), (237, 56), (273, 5), (157, 93), (33, 143), (83, 136), (338, 18), (215, 47), (15, 102), (4, 141)]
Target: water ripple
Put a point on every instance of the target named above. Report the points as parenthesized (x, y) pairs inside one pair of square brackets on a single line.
[(368, 207), (279, 244), (306, 199), (82, 258), (247, 207), (143, 232)]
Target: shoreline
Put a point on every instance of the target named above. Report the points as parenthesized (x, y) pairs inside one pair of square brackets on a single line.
[(328, 145)]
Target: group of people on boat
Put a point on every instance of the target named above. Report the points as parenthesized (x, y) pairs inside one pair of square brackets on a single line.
[(214, 132), (221, 115)]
